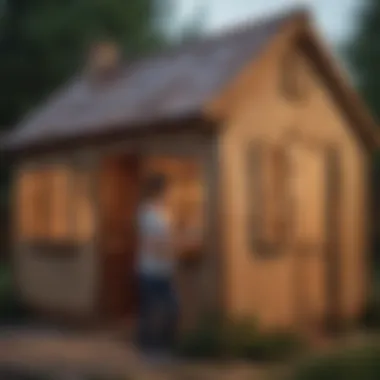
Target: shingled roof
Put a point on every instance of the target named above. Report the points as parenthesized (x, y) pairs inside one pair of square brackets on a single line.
[(170, 85)]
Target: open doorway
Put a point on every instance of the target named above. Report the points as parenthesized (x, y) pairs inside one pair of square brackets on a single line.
[(120, 184)]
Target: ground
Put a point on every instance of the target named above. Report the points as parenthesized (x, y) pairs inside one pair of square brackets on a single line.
[(54, 352), (99, 355)]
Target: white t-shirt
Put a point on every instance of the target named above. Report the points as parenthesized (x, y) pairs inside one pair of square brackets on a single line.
[(153, 224)]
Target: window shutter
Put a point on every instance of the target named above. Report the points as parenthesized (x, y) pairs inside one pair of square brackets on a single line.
[(82, 207), (269, 195), (60, 203), (32, 204), (269, 200), (281, 194), (53, 205)]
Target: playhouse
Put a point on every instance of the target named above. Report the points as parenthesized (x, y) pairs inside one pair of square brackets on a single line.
[(269, 151)]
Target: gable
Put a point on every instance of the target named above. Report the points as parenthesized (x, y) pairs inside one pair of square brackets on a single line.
[(304, 127), (350, 103), (299, 39)]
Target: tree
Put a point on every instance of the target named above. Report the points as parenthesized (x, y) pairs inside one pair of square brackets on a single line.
[(363, 57), (363, 54), (42, 42)]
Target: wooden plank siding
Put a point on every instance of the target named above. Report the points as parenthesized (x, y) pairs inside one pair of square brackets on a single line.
[(79, 288), (55, 266), (266, 287)]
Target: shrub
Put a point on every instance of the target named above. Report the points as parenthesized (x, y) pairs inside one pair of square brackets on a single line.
[(238, 336), (205, 341), (371, 315), (240, 339), (274, 346), (359, 364), (11, 309)]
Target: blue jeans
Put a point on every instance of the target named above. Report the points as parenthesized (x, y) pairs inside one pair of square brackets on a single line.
[(158, 314)]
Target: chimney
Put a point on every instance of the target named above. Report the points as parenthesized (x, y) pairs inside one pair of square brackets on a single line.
[(103, 61)]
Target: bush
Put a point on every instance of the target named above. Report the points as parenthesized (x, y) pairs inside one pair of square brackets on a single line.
[(241, 339), (359, 364), (274, 346), (11, 309), (371, 316), (205, 341)]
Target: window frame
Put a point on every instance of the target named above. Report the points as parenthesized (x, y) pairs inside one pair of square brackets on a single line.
[(46, 242), (293, 82)]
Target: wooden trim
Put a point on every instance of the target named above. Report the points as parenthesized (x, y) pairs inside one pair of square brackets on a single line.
[(93, 164), (61, 249), (333, 230), (312, 140), (215, 250), (255, 189), (347, 99), (111, 134), (15, 242)]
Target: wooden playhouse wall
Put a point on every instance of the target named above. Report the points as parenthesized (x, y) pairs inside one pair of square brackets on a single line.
[(53, 277), (268, 287), (70, 285)]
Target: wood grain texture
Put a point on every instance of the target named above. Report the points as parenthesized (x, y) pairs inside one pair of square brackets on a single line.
[(267, 288)]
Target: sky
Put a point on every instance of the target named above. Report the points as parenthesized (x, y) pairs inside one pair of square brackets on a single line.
[(334, 18)]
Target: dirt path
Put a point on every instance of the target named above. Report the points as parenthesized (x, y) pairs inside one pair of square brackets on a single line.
[(55, 352), (100, 356)]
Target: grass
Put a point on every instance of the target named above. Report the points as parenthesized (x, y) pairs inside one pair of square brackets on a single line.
[(349, 364)]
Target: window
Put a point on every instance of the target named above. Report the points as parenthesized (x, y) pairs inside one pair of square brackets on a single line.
[(53, 205), (292, 76), (268, 195)]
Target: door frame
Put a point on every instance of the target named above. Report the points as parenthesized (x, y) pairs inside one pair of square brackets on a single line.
[(333, 238), (120, 306)]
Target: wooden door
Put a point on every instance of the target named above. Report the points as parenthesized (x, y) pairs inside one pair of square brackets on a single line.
[(310, 200), (119, 193)]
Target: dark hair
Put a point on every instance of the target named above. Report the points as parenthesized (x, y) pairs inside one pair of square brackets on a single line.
[(155, 185)]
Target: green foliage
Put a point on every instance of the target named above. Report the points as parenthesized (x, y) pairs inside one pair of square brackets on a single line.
[(370, 319), (371, 316), (274, 346), (205, 341), (217, 339), (358, 364), (363, 53), (43, 42), (11, 309)]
